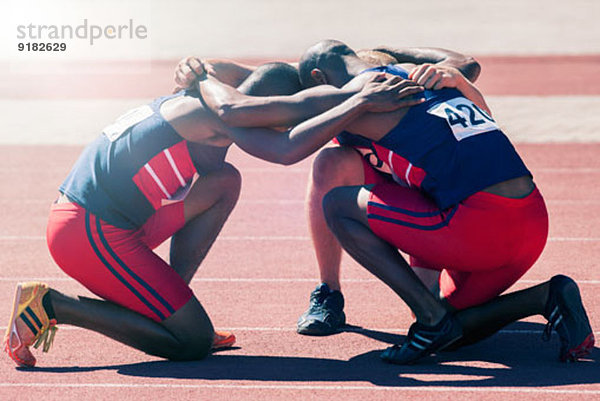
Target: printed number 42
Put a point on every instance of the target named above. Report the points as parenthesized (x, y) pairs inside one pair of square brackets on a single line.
[(474, 115)]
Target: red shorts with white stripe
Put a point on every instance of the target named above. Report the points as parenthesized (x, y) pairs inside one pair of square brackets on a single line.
[(116, 264), (482, 246)]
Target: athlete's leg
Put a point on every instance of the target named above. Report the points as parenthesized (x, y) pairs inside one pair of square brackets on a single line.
[(483, 320), (206, 208), (333, 167), (345, 209), (346, 213), (149, 306), (558, 300), (185, 335)]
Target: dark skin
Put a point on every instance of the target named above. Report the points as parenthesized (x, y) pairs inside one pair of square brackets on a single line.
[(427, 308), (345, 211), (188, 333), (450, 70), (374, 126), (342, 166)]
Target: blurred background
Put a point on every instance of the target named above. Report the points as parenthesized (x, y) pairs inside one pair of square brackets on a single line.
[(67, 96)]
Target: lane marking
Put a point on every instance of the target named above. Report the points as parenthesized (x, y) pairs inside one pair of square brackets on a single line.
[(399, 388), (276, 238), (293, 201), (223, 238), (291, 329), (259, 280), (571, 239), (568, 170), (276, 170)]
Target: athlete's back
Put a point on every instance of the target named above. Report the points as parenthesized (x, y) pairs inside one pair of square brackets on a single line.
[(447, 146), (141, 160)]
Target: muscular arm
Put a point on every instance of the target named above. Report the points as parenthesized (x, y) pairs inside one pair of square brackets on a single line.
[(301, 141), (227, 71), (304, 139), (239, 110), (467, 65), (471, 92)]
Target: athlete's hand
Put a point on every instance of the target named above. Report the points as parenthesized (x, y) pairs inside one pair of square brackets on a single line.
[(386, 92), (435, 76), (187, 71)]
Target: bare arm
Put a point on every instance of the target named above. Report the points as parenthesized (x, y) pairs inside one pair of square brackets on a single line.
[(301, 141), (296, 144), (472, 93), (227, 71), (239, 110), (467, 65), (436, 76)]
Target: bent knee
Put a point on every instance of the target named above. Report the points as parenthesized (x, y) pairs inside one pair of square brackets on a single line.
[(331, 204), (232, 179), (193, 348), (337, 166), (192, 332), (229, 185), (345, 203)]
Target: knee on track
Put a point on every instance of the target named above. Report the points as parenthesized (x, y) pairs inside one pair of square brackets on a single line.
[(193, 349)]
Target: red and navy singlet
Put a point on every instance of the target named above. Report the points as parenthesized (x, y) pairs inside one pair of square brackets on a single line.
[(139, 161), (447, 147)]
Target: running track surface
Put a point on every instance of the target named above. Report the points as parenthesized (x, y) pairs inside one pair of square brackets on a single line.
[(257, 278)]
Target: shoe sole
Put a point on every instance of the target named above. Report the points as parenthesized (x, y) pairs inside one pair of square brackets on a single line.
[(318, 328), (456, 336), (227, 342), (571, 301), (11, 328), (581, 351), (414, 360)]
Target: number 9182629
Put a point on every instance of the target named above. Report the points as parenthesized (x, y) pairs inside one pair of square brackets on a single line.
[(41, 47)]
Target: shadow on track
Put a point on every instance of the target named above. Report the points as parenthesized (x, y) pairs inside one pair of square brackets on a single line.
[(515, 358)]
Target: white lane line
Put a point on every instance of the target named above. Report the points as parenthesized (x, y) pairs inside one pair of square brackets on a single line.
[(573, 239), (573, 201), (305, 170), (291, 329), (259, 280), (276, 238), (279, 387), (222, 238), (567, 170), (48, 201)]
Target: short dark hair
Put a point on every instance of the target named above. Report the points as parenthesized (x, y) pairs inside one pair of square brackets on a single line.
[(318, 55), (272, 79)]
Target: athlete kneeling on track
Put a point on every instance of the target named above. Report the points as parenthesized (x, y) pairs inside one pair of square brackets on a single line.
[(458, 199), (159, 172)]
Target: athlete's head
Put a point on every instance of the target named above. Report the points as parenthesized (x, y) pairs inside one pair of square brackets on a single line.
[(325, 63), (272, 79)]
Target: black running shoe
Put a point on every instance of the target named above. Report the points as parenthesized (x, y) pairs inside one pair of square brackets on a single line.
[(565, 314), (325, 315), (424, 340)]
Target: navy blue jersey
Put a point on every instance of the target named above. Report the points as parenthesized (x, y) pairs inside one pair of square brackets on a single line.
[(447, 147), (135, 165)]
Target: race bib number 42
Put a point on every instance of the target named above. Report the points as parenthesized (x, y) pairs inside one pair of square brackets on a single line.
[(464, 117)]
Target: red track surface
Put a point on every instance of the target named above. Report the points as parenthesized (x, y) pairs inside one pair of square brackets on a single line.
[(504, 75), (257, 278)]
